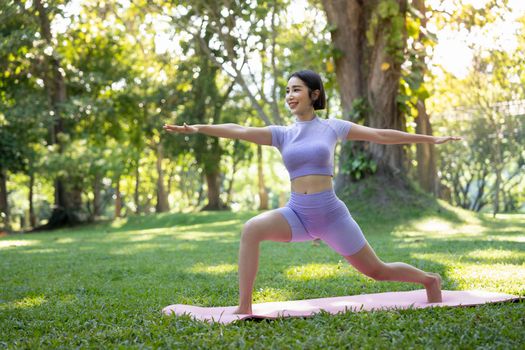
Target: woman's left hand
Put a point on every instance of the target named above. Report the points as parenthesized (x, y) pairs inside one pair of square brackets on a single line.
[(184, 129), (443, 139)]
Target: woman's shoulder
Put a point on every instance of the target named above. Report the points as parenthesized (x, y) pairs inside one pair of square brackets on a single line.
[(335, 120), (341, 127), (280, 127)]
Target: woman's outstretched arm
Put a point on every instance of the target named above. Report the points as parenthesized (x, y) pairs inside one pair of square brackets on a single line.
[(392, 137), (261, 136)]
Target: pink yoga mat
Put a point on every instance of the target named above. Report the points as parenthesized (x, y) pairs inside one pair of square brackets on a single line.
[(303, 308)]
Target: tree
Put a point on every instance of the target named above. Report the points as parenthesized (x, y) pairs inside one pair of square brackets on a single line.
[(369, 40), (22, 101), (414, 90), (485, 106), (490, 164), (67, 199), (253, 45), (215, 30), (206, 105)]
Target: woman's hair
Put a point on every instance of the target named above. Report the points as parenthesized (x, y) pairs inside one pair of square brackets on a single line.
[(313, 82)]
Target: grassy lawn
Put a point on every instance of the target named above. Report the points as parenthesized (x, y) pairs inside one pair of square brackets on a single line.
[(104, 285)]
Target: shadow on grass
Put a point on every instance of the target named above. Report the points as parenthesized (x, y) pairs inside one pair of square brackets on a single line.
[(167, 220), (189, 271), (192, 258)]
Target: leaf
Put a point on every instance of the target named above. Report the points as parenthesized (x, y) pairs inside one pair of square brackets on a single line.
[(412, 27), (387, 8), (331, 28), (330, 67)]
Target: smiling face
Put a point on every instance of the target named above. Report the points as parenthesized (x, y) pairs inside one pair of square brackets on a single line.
[(298, 97)]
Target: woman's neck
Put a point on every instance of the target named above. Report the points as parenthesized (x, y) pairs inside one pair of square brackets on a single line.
[(307, 116)]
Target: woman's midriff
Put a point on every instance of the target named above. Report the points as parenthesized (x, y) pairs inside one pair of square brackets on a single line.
[(311, 184)]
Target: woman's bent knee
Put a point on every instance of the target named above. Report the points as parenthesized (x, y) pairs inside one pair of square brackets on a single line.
[(378, 272)]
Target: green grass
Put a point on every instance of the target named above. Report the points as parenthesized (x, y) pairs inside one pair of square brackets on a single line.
[(103, 286)]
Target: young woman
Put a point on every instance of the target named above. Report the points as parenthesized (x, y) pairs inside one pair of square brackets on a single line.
[(314, 211)]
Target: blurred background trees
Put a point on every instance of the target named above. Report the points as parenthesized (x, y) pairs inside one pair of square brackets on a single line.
[(85, 87)]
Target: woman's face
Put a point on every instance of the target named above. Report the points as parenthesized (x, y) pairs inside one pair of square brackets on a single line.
[(297, 96)]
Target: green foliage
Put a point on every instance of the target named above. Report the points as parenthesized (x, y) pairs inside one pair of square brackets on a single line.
[(388, 18), (360, 108), (469, 169), (10, 155), (469, 16), (359, 166), (121, 88), (491, 160), (412, 87), (298, 49), (22, 101)]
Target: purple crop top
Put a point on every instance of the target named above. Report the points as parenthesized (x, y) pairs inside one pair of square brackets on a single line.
[(308, 147)]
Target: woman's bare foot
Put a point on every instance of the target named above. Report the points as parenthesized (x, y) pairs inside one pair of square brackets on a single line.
[(433, 288), (242, 311)]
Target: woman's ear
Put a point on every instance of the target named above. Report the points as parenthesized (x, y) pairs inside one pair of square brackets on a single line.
[(314, 95)]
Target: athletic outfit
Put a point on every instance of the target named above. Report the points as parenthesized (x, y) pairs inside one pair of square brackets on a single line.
[(307, 148)]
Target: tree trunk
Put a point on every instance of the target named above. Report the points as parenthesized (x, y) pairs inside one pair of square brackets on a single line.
[(209, 158), (136, 194), (213, 183), (67, 208), (497, 185), (201, 192), (162, 198), (383, 86), (367, 73), (425, 153), (349, 18), (263, 194), (32, 217), (118, 199), (171, 178), (97, 202), (4, 205), (61, 197), (230, 185), (349, 38), (76, 198)]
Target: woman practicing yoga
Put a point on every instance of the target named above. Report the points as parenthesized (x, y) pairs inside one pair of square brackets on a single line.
[(314, 211)]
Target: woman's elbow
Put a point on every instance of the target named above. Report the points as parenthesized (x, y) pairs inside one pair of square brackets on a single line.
[(381, 136)]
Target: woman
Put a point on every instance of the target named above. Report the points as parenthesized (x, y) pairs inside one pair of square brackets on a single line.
[(313, 210)]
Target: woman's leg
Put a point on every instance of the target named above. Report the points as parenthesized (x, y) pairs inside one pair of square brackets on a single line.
[(367, 262), (271, 226)]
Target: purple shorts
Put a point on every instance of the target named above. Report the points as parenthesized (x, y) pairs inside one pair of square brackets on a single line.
[(322, 215)]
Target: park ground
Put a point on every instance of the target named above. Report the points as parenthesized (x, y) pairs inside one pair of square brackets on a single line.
[(104, 285)]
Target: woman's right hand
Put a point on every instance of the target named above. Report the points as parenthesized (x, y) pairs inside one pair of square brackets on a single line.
[(184, 129)]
